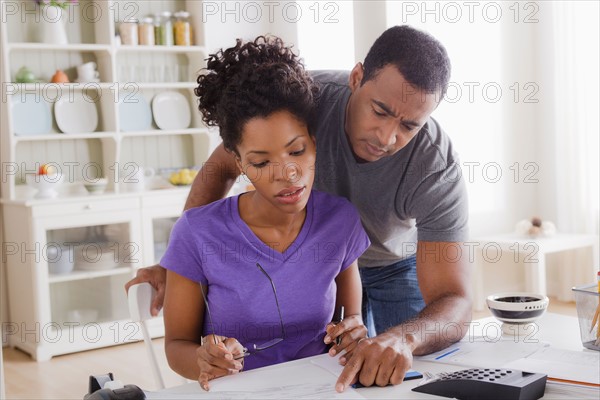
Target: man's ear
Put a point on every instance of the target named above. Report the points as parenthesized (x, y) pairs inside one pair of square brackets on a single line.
[(356, 76)]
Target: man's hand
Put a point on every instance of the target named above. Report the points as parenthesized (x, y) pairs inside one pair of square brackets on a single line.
[(155, 276), (381, 360)]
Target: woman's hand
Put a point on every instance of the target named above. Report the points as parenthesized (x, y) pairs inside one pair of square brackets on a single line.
[(351, 330), (217, 357)]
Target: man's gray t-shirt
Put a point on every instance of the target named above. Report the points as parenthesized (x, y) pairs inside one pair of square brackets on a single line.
[(416, 194)]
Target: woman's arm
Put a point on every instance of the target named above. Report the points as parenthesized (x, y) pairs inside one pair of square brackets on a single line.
[(349, 295), (184, 316), (349, 290)]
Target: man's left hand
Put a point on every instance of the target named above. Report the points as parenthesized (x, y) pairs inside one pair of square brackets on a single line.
[(381, 360)]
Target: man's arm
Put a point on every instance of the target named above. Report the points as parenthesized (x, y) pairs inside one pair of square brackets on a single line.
[(444, 275), (217, 176), (443, 271), (212, 183)]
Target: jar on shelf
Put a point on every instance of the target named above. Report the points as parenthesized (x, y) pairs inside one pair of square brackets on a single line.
[(146, 31), (157, 34), (182, 29), (165, 29), (128, 30)]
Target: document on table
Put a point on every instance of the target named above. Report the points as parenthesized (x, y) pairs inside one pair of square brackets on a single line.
[(276, 382), (576, 366), (483, 353), (332, 365)]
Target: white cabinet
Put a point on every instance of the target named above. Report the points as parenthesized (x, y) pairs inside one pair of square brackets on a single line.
[(61, 313), (53, 314)]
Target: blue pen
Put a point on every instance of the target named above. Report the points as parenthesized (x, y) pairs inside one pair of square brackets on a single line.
[(410, 375), (448, 353)]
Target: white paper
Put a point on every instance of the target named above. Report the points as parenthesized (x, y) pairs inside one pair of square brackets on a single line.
[(483, 354), (302, 381), (332, 364), (580, 366), (557, 390)]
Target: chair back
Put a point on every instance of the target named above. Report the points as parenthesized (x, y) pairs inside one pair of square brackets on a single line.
[(140, 297)]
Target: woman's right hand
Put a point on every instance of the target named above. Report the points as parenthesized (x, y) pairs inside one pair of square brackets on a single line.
[(217, 357)]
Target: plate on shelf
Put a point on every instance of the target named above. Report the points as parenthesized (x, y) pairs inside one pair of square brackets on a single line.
[(31, 115), (134, 113), (171, 110), (76, 116)]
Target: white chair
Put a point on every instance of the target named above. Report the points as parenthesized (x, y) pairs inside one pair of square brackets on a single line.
[(140, 297), (2, 387)]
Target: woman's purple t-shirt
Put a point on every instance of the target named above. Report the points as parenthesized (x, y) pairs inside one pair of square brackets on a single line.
[(214, 246)]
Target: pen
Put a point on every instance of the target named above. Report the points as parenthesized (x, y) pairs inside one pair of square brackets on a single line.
[(338, 339), (447, 353)]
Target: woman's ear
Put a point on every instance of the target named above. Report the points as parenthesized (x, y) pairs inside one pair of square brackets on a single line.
[(238, 163)]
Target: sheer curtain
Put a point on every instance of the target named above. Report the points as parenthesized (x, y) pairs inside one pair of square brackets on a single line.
[(573, 122)]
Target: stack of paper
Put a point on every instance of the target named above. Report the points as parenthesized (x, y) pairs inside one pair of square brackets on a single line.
[(573, 366)]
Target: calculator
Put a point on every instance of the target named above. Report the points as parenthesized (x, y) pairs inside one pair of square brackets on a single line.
[(485, 383)]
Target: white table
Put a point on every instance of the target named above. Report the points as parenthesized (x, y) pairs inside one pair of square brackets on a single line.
[(561, 331), (532, 252)]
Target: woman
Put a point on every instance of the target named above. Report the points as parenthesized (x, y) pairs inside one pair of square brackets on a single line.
[(254, 280)]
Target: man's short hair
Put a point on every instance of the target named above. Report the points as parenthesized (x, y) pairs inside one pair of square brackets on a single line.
[(418, 56)]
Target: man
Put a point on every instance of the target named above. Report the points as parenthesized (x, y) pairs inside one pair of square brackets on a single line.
[(378, 147)]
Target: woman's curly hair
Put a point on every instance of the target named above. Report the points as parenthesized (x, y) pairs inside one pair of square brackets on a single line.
[(253, 79)]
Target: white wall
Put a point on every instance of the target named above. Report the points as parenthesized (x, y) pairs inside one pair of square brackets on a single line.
[(3, 288)]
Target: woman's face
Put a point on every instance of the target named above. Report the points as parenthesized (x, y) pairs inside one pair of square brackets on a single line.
[(278, 156)]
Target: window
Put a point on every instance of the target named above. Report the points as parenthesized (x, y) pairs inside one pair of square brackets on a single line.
[(326, 34), (472, 111)]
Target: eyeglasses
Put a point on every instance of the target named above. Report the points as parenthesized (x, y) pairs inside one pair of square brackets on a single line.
[(255, 347)]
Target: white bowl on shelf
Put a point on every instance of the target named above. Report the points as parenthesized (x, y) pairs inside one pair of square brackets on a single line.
[(96, 187), (45, 185)]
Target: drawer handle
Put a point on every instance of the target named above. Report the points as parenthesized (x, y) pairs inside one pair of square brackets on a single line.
[(87, 207)]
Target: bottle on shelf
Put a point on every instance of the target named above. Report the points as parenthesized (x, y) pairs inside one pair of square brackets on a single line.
[(146, 31), (165, 30), (128, 30), (182, 29)]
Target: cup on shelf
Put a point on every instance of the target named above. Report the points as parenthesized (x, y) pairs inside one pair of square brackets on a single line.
[(87, 73)]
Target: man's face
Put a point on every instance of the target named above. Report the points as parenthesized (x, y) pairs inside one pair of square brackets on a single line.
[(385, 113)]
